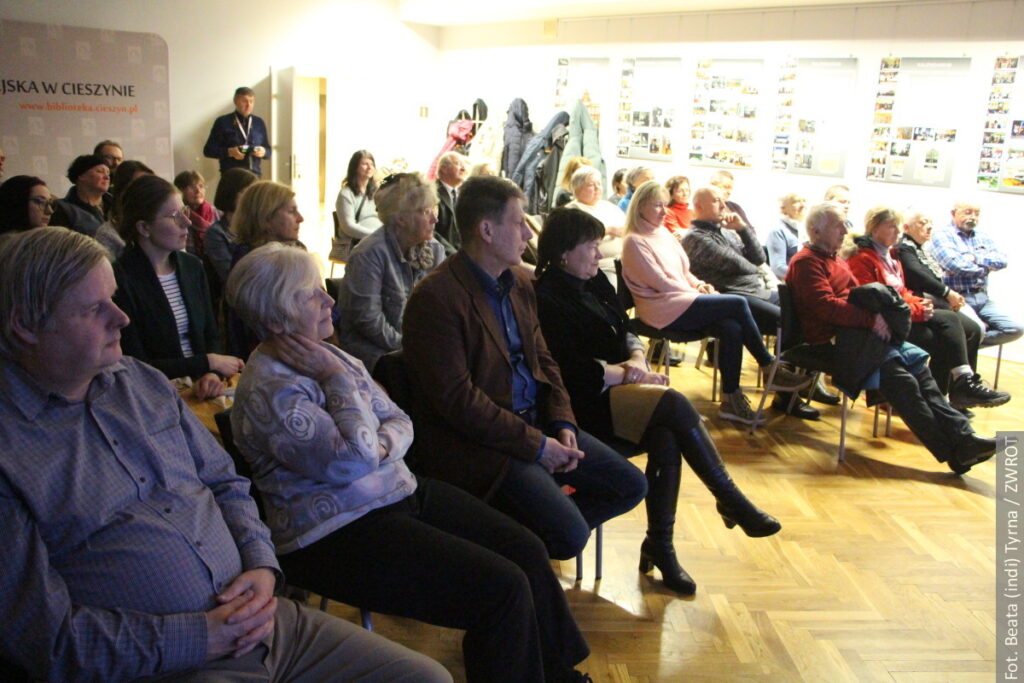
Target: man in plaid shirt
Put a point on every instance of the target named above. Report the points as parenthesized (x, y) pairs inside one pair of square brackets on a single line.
[(967, 256)]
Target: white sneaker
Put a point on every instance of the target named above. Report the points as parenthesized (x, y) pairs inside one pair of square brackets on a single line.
[(736, 407)]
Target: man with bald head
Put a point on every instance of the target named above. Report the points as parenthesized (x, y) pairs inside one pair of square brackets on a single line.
[(821, 284), (724, 251), (966, 256)]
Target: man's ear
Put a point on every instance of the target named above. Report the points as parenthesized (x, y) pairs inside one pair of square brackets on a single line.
[(26, 336), (486, 231)]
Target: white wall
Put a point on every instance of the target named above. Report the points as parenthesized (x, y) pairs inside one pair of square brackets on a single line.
[(520, 60)]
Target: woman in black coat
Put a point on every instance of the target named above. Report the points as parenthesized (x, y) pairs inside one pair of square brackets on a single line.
[(164, 291), (615, 396)]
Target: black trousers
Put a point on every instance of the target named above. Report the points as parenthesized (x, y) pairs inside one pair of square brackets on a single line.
[(923, 407), (766, 314), (443, 557), (951, 338)]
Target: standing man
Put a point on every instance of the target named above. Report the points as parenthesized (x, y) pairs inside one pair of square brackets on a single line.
[(451, 171), (496, 418), (967, 256), (821, 284), (239, 139), (132, 548)]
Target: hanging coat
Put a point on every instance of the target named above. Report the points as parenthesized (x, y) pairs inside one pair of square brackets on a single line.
[(584, 142), (518, 132), (460, 132), (523, 176), (542, 192)]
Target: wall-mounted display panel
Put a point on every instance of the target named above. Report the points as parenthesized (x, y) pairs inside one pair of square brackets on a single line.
[(582, 79), (646, 117), (1001, 162), (726, 107)]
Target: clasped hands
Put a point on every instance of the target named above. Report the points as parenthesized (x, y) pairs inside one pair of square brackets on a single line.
[(245, 615)]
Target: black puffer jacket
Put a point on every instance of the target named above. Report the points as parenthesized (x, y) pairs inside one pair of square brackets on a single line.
[(861, 350), (518, 132), (523, 175)]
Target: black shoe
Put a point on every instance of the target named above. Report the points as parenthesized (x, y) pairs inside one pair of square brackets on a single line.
[(574, 676), (755, 523), (800, 409), (820, 394), (966, 412), (968, 391), (973, 450), (662, 555)]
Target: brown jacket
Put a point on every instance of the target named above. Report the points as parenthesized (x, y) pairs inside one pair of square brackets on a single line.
[(461, 374)]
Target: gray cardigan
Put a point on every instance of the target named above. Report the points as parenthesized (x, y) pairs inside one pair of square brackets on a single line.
[(372, 295)]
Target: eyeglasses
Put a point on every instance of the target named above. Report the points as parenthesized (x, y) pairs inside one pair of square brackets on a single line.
[(46, 205), (179, 216)]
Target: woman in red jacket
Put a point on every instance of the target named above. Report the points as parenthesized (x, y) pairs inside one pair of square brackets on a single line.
[(941, 333)]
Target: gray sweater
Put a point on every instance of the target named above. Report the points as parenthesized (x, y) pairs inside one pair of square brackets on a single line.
[(727, 259)]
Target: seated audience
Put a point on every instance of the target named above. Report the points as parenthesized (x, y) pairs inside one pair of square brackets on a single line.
[(486, 167), (840, 196), (821, 286), (201, 213), (266, 212), (784, 239), (25, 203), (635, 177), (679, 215), (87, 203), (565, 192), (618, 186), (384, 267), (615, 396), (349, 520), (219, 238), (724, 252), (107, 234), (586, 190), (949, 338), (132, 549), (163, 290), (668, 296), (967, 256), (356, 208), (451, 173), (922, 273), (494, 410)]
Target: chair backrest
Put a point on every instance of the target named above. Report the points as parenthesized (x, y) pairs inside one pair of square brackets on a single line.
[(625, 296), (223, 420), (392, 374), (337, 226), (333, 286), (789, 324)]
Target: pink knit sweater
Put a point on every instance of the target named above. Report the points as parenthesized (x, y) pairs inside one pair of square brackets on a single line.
[(657, 272)]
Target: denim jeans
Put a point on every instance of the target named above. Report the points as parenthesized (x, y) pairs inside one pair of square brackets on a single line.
[(1002, 328)]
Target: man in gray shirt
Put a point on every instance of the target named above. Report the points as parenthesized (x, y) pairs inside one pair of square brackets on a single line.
[(133, 549)]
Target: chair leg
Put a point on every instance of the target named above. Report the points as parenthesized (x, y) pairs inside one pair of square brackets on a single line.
[(999, 363), (842, 431), (714, 375), (888, 419), (599, 552), (324, 602), (701, 353), (579, 567), (764, 394), (874, 427), (366, 618)]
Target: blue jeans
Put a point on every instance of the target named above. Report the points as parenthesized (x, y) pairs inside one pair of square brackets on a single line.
[(728, 317), (606, 484), (1002, 329)]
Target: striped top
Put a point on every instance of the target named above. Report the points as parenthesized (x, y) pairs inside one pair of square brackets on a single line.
[(173, 293)]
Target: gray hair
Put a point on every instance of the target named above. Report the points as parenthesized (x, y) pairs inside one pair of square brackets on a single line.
[(451, 159), (37, 268), (635, 173), (402, 193), (818, 216), (264, 287), (582, 175)]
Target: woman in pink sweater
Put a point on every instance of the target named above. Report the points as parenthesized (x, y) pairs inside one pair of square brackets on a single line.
[(668, 296)]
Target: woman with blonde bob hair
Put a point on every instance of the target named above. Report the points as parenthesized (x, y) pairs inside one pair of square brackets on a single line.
[(266, 212), (668, 296), (384, 267), (347, 516)]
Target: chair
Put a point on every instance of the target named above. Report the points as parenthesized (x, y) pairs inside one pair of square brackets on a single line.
[(790, 349), (223, 420), (642, 329), (335, 257)]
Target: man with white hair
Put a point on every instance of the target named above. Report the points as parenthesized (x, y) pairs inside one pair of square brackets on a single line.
[(452, 168), (821, 284), (132, 548), (967, 256)]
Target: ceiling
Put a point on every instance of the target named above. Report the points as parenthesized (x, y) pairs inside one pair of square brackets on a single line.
[(462, 12)]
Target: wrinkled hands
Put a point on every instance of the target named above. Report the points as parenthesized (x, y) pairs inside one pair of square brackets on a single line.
[(208, 386), (956, 300), (731, 221), (304, 355), (927, 309), (881, 328), (561, 454), (244, 617), (706, 288)]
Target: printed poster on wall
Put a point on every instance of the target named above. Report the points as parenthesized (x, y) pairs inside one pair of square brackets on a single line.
[(645, 120), (1001, 163), (813, 120), (725, 111), (65, 88), (582, 79), (913, 135)]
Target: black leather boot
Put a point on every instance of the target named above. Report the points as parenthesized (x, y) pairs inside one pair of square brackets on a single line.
[(702, 456), (657, 549)]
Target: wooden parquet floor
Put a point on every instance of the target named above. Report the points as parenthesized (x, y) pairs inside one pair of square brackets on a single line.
[(883, 571)]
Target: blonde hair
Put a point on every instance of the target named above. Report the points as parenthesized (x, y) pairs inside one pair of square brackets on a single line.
[(643, 194), (574, 164), (251, 222), (878, 215), (266, 285), (37, 268)]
